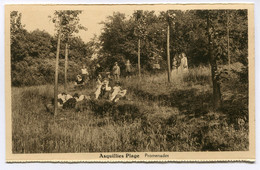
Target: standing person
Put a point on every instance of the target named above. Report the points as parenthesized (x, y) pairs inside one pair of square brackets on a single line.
[(84, 73), (128, 68), (184, 63), (116, 71), (174, 66), (156, 67), (180, 68)]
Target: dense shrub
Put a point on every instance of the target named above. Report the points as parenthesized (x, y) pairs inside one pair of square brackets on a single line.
[(40, 71)]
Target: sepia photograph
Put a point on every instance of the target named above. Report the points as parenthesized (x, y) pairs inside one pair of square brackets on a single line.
[(129, 82)]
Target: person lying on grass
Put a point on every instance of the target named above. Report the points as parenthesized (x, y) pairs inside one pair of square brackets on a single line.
[(81, 97), (66, 101), (64, 97), (117, 92)]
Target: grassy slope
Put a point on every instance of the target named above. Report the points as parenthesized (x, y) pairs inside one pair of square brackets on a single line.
[(157, 116)]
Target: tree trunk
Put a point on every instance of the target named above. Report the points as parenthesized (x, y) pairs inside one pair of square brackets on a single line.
[(228, 41), (56, 76), (139, 56), (168, 53), (213, 63), (66, 67)]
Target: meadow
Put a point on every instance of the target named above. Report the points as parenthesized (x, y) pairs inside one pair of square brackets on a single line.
[(155, 116)]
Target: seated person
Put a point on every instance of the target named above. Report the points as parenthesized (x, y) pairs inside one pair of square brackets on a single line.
[(108, 75), (84, 73), (79, 81), (98, 86), (117, 92), (105, 89)]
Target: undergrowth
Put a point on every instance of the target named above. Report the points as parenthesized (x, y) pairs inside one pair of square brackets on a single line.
[(155, 116)]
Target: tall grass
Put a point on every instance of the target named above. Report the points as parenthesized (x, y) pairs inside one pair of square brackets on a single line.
[(155, 116)]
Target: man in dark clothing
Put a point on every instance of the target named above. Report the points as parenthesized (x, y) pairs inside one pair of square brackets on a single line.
[(70, 104), (98, 70)]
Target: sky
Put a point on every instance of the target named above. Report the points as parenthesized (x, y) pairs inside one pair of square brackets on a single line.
[(38, 19), (36, 16)]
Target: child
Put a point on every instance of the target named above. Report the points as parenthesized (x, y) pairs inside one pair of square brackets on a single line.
[(117, 93), (116, 71)]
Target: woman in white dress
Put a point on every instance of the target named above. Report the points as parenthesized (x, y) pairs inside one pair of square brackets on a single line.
[(184, 63)]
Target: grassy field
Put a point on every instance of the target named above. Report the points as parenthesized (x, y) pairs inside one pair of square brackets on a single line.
[(156, 116)]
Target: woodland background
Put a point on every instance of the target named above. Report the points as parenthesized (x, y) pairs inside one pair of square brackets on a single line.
[(181, 115)]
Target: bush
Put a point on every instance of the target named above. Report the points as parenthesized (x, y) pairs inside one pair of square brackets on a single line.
[(30, 72)]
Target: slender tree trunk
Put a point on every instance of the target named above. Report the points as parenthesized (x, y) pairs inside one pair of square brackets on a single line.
[(139, 56), (228, 41), (168, 53), (56, 76), (66, 67), (213, 63)]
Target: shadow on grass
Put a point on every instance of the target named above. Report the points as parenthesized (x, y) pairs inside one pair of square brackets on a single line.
[(189, 102)]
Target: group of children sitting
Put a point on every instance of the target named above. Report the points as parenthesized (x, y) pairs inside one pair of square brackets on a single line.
[(105, 91)]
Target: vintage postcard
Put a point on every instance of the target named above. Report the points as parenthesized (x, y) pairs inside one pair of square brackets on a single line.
[(129, 83)]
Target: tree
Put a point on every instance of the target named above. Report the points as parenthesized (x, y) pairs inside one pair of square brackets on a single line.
[(69, 25), (213, 63), (117, 41), (15, 24), (170, 15), (18, 37), (140, 32), (58, 22), (228, 40)]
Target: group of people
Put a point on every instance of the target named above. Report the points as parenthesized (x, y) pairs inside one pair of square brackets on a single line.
[(82, 79), (103, 88), (105, 91), (67, 101), (179, 64)]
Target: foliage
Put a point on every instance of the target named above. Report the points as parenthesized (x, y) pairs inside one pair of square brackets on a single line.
[(188, 34), (118, 40), (33, 54), (67, 22), (39, 71)]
